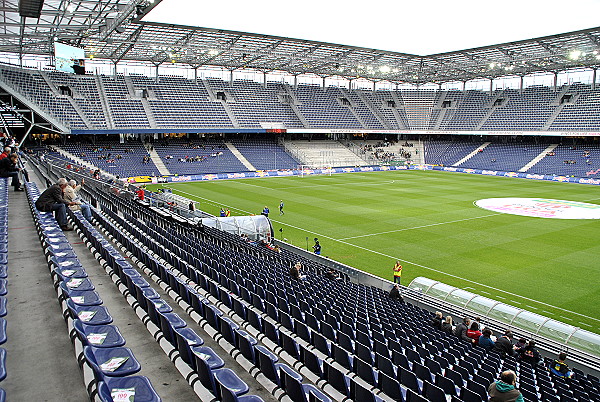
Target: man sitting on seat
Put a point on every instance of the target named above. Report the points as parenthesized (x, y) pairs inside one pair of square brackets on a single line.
[(8, 168), (52, 200), (560, 368), (504, 389)]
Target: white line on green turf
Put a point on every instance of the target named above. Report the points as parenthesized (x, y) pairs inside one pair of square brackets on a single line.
[(316, 185), (417, 227), (405, 261)]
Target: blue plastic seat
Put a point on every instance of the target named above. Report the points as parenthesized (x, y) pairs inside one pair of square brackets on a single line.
[(91, 315), (391, 387), (226, 378), (79, 284), (168, 323), (245, 343), (2, 306), (2, 364), (144, 391), (336, 378), (80, 298), (98, 357), (298, 392), (266, 361), (208, 355), (228, 396), (311, 361), (100, 336), (185, 338)]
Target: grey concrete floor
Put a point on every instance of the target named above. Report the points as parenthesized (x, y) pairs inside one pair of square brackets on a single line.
[(41, 364)]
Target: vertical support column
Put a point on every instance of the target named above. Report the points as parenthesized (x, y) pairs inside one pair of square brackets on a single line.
[(295, 81), (491, 85), (521, 84), (265, 79), (374, 83), (115, 68), (594, 78), (156, 68), (195, 75), (231, 76), (464, 86), (323, 82), (555, 81)]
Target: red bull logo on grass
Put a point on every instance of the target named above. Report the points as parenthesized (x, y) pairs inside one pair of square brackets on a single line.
[(541, 208)]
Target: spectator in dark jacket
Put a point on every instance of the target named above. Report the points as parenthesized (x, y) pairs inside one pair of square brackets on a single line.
[(504, 344), (395, 293), (52, 200), (436, 321), (461, 329), (485, 340), (529, 354), (447, 325), (8, 168)]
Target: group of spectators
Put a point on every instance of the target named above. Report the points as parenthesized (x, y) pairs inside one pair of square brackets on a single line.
[(474, 332), (58, 197)]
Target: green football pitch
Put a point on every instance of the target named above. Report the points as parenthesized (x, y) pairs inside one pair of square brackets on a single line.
[(428, 220)]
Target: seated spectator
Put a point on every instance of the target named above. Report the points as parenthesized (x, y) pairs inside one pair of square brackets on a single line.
[(485, 340), (331, 274), (461, 329), (70, 194), (529, 354), (52, 200), (436, 321), (504, 389), (560, 368), (395, 293), (447, 325), (295, 271), (521, 343), (8, 168), (5, 153), (504, 344), (473, 332)]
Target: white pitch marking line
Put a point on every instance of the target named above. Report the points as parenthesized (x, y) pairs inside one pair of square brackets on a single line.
[(418, 227), (410, 262), (316, 185)]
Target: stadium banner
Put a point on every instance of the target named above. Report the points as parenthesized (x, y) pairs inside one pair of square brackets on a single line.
[(532, 176), (308, 172), (278, 173)]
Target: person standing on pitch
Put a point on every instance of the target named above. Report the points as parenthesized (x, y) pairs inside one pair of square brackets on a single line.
[(265, 211), (317, 247), (397, 272), (281, 208)]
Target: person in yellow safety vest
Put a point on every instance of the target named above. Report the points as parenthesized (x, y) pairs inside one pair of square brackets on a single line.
[(397, 272), (227, 213)]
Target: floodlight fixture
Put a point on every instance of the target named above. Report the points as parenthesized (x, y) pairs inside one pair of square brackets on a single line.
[(575, 54)]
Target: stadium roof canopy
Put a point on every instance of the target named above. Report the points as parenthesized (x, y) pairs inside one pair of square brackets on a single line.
[(114, 30)]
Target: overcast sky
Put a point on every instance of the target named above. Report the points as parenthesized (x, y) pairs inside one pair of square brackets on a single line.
[(415, 27)]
